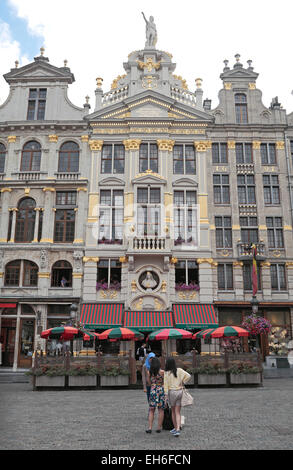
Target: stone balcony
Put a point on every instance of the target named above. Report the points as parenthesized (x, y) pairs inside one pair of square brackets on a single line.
[(149, 244), (245, 252)]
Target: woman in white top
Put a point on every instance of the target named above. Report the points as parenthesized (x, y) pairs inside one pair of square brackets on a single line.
[(174, 379)]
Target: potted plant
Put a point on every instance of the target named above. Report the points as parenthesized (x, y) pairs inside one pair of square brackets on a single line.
[(211, 374), (48, 376), (256, 326), (245, 373), (114, 376), (82, 376)]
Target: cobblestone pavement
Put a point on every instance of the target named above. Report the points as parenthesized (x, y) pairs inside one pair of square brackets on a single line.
[(242, 418)]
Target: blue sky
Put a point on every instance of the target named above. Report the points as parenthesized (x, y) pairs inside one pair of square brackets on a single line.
[(29, 42)]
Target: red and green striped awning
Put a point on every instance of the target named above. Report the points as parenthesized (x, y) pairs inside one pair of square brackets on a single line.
[(148, 321), (195, 316), (101, 315)]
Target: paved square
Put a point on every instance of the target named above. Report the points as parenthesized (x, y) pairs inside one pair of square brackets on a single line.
[(242, 418)]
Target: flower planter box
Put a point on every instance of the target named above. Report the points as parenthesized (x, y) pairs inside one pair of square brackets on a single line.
[(245, 378), (212, 379), (47, 381), (114, 381), (82, 380)]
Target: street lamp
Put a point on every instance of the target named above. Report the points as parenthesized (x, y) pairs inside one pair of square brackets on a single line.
[(73, 310), (254, 304)]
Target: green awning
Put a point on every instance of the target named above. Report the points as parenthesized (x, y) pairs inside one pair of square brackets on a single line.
[(101, 315), (148, 321), (195, 316)]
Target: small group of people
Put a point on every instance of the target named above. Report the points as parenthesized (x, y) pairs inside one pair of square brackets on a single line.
[(164, 388)]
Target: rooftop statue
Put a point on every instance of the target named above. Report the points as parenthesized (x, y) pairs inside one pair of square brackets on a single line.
[(150, 31)]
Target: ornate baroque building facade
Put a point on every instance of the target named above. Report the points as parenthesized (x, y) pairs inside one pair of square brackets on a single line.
[(141, 211)]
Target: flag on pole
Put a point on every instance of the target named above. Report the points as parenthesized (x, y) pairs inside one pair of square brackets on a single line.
[(254, 270)]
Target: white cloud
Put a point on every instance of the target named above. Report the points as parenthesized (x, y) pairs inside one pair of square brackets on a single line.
[(9, 53), (96, 38)]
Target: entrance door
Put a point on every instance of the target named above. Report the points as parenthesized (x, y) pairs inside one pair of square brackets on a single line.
[(26, 343), (8, 330)]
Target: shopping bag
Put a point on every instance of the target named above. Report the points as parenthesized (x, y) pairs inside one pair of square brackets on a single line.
[(187, 399), (167, 422)]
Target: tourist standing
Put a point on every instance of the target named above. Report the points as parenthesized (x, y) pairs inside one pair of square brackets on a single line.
[(145, 368), (155, 378), (174, 380)]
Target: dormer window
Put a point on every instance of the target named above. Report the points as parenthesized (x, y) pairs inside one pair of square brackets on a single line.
[(241, 108), (36, 104)]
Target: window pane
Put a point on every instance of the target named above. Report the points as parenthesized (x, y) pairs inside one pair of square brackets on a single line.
[(106, 159), (155, 195), (178, 167), (119, 154), (215, 153), (142, 195)]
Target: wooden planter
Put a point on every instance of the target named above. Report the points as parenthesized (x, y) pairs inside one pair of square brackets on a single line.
[(245, 378), (212, 379), (82, 380), (114, 381), (47, 381)]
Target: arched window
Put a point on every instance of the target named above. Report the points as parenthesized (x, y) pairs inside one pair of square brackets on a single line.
[(61, 274), (2, 157), (25, 221), (31, 156), (69, 158), (241, 108), (21, 273)]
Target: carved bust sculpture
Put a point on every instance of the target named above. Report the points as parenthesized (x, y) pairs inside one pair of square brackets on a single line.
[(151, 32), (149, 280)]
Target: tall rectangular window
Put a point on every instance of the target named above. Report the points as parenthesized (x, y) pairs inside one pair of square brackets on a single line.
[(111, 216), (241, 108), (271, 189), (185, 217), (186, 272), (246, 189), (36, 104), (225, 276), (249, 229), (268, 154), (148, 157), (113, 158), (275, 232), (221, 189), (219, 153), (184, 160), (148, 211), (278, 276), (243, 153), (109, 274), (223, 232), (65, 216)]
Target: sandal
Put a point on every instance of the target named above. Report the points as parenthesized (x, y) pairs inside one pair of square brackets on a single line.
[(149, 431), (158, 430)]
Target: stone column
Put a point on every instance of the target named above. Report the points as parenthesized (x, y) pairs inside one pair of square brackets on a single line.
[(53, 156), (90, 278), (12, 157), (4, 214), (205, 279), (48, 218), (37, 221), (93, 205), (43, 283), (80, 215), (266, 280), (131, 162), (165, 147), (12, 234), (202, 195), (238, 279)]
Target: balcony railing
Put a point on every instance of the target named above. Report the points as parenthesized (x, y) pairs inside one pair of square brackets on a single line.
[(67, 176), (149, 243), (245, 251), (29, 175)]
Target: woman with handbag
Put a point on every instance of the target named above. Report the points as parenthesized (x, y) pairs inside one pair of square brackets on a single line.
[(174, 380), (155, 378)]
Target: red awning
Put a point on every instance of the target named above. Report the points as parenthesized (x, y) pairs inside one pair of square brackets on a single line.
[(101, 315), (7, 305), (195, 316), (148, 321)]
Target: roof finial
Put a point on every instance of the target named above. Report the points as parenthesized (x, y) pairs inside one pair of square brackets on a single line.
[(65, 62), (198, 82), (16, 64), (237, 57), (99, 82), (87, 98), (42, 50)]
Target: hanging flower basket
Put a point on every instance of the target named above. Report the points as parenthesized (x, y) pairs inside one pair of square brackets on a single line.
[(256, 325)]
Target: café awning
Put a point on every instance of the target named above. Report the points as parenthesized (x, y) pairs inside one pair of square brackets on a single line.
[(7, 305), (148, 320), (101, 316), (195, 316)]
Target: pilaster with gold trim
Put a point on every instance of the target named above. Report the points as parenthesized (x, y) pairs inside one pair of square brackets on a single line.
[(14, 211), (80, 215), (132, 159), (164, 145), (202, 196)]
